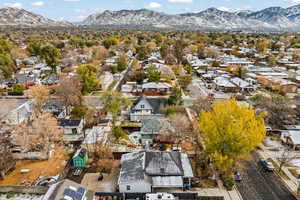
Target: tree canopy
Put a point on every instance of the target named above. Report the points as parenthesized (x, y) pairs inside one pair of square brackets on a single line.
[(88, 75), (230, 131)]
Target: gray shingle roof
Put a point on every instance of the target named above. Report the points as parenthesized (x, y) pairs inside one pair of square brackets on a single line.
[(144, 166), (163, 163), (132, 168)]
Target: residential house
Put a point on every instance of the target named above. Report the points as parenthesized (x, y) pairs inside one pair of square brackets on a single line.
[(55, 107), (154, 89), (97, 135), (80, 158), (72, 129), (51, 79), (145, 108), (147, 171), (279, 84), (68, 190), (19, 114), (223, 84), (291, 138), (23, 79), (243, 86), (129, 87), (152, 131)]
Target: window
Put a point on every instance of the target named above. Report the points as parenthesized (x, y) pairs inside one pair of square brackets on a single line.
[(128, 187), (142, 106)]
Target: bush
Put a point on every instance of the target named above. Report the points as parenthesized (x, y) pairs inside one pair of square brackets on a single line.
[(78, 111), (17, 90), (228, 183), (118, 132), (169, 110), (10, 195)]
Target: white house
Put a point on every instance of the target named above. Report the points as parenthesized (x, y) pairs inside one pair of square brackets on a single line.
[(72, 129), (291, 137), (146, 171), (20, 114), (145, 108)]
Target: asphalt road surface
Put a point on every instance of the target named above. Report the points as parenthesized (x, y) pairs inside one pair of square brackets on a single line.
[(258, 184)]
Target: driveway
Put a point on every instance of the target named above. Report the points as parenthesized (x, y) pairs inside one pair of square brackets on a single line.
[(257, 184)]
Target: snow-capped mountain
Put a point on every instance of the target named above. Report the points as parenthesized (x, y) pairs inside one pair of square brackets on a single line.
[(269, 19), (21, 17)]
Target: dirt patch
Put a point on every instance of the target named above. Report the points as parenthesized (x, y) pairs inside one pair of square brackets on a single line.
[(108, 184), (37, 169)]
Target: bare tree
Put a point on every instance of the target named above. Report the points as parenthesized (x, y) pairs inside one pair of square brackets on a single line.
[(202, 103), (181, 125), (39, 133), (69, 91), (6, 159), (100, 53), (286, 156), (41, 95), (278, 109), (211, 53)]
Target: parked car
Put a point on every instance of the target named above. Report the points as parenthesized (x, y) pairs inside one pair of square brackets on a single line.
[(267, 165)]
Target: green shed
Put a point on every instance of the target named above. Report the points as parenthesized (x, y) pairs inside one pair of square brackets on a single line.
[(80, 158)]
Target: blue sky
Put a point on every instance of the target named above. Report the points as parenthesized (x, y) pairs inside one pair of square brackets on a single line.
[(76, 10)]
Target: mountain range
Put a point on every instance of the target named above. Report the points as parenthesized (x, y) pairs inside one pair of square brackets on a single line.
[(21, 17), (269, 19)]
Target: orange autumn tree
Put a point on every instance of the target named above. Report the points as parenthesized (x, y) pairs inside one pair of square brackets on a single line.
[(230, 131)]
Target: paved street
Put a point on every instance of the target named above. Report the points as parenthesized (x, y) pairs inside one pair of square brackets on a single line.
[(257, 184)]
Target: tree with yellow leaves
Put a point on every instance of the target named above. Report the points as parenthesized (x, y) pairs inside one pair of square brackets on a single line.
[(229, 132), (262, 46)]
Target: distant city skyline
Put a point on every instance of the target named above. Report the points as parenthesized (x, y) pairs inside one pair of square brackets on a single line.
[(77, 10)]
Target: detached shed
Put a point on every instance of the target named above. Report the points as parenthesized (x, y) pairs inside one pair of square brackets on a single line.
[(80, 158)]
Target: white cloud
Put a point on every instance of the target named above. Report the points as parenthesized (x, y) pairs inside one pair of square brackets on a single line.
[(154, 5), (37, 3), (13, 5), (224, 9), (71, 0), (180, 1)]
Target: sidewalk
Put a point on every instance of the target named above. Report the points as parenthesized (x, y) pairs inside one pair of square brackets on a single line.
[(292, 183), (216, 192)]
